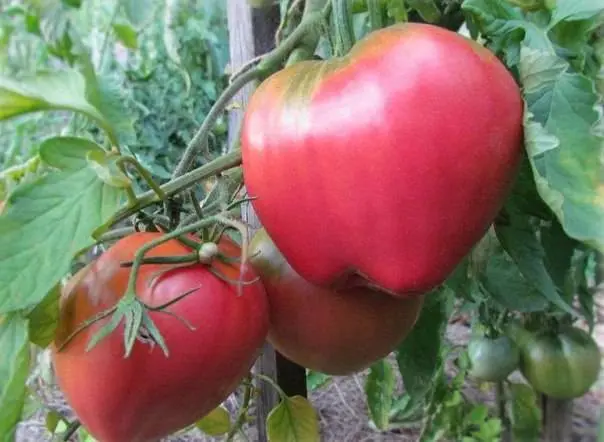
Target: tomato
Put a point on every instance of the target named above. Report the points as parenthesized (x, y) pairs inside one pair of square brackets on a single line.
[(385, 166), (334, 332), (563, 365), (148, 396), (492, 359)]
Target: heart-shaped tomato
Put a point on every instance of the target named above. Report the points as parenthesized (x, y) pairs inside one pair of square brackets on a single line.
[(148, 396), (387, 165)]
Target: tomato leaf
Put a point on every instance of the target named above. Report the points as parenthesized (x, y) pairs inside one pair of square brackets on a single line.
[(316, 379), (379, 388), (43, 319), (506, 27), (427, 10), (293, 420), (419, 355), (47, 222), (126, 34), (572, 10), (559, 250), (508, 287), (14, 369), (520, 241), (139, 12), (563, 144), (397, 10), (216, 423), (525, 413), (67, 152), (65, 90), (52, 420)]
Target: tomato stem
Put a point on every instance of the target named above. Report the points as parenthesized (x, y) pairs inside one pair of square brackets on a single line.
[(273, 384), (342, 19), (181, 183), (200, 139), (190, 258), (144, 173), (242, 415), (71, 429), (376, 18)]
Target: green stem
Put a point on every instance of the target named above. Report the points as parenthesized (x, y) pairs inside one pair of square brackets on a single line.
[(500, 398), (190, 258), (201, 137), (144, 173), (70, 431), (273, 384), (241, 417), (181, 183), (342, 19), (313, 14), (376, 18), (116, 234), (140, 253)]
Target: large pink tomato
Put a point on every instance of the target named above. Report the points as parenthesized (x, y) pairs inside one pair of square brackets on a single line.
[(147, 396), (386, 166)]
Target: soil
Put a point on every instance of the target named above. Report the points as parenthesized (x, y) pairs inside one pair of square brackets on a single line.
[(342, 411)]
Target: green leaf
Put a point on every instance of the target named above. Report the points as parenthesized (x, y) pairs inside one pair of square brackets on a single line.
[(107, 169), (14, 370), (506, 285), (520, 241), (379, 388), (139, 12), (563, 144), (418, 356), (397, 10), (126, 34), (506, 27), (65, 90), (524, 413), (293, 420), (559, 250), (43, 319), (67, 152), (315, 380), (572, 10), (216, 423), (52, 420), (47, 222), (427, 10)]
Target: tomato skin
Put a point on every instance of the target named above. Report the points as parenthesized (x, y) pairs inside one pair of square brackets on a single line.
[(386, 165), (148, 396), (334, 332), (492, 360), (563, 365)]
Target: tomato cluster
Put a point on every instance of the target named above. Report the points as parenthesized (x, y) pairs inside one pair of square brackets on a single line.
[(373, 174)]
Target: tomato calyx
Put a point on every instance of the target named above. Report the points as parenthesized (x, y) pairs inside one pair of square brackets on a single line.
[(135, 313)]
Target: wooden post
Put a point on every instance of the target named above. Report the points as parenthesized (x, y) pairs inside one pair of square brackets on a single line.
[(557, 419), (251, 33)]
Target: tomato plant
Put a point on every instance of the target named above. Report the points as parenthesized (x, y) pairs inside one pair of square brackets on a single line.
[(315, 126), (213, 335), (562, 364), (492, 359), (384, 139), (334, 332)]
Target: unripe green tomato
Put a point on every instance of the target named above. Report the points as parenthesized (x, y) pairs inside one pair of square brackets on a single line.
[(492, 360), (260, 3), (563, 365)]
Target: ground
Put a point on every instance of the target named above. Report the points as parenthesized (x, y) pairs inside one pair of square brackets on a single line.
[(342, 411)]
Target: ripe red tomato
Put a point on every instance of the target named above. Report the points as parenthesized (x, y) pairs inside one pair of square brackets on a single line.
[(335, 332), (148, 395), (386, 165)]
